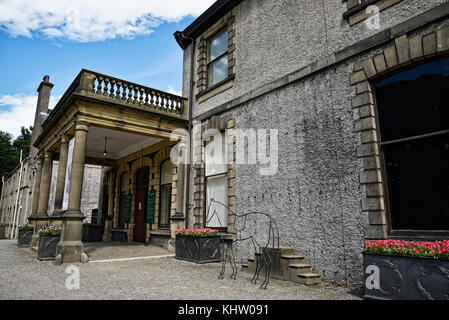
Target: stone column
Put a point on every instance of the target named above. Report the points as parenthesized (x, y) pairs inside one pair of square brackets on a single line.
[(70, 248), (35, 204), (177, 220), (41, 192), (56, 218), (109, 218)]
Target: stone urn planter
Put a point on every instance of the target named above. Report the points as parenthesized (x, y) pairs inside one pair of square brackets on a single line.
[(406, 277), (25, 234), (48, 240), (198, 248), (92, 232)]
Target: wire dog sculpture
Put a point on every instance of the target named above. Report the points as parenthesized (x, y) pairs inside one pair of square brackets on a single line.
[(262, 256)]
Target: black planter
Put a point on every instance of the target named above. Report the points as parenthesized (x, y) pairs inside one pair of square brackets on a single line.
[(47, 247), (406, 278), (24, 238), (92, 233), (198, 249)]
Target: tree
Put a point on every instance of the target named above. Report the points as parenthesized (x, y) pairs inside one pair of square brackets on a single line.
[(23, 142), (10, 151)]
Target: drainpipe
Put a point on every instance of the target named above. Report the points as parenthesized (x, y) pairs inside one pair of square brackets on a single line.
[(14, 223), (189, 164)]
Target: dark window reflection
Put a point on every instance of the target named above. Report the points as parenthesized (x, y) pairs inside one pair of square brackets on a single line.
[(411, 104)]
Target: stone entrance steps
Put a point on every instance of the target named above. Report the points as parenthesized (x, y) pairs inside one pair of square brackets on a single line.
[(286, 265)]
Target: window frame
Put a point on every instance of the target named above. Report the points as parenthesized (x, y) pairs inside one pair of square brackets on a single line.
[(210, 63), (162, 226), (402, 234), (212, 176)]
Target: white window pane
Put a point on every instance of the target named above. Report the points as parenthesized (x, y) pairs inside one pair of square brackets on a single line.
[(219, 45), (216, 156), (218, 70), (167, 172), (217, 189)]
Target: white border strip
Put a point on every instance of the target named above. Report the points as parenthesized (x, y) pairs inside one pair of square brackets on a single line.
[(136, 258)]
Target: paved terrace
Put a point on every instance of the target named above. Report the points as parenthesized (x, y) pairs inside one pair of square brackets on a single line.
[(156, 276)]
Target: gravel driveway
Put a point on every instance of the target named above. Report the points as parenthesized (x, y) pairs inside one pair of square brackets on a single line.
[(22, 276)]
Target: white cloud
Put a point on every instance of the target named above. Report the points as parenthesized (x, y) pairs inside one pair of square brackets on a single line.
[(18, 110), (172, 90), (93, 20)]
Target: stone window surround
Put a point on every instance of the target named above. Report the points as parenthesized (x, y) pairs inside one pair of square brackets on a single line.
[(221, 123), (205, 92), (357, 9), (403, 52)]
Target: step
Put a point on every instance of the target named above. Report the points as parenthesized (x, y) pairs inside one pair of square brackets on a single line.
[(301, 267), (285, 251), (292, 259), (309, 278), (244, 266)]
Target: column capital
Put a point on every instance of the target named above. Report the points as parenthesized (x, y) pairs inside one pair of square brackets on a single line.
[(65, 138), (48, 154), (81, 125)]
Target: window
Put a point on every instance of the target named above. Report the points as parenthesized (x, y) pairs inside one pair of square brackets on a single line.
[(165, 197), (216, 169), (123, 194), (413, 113), (217, 58)]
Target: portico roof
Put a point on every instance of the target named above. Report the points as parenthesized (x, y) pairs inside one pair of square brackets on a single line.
[(129, 115)]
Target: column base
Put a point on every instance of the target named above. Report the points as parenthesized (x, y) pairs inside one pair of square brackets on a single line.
[(39, 221), (107, 228), (70, 251), (56, 218)]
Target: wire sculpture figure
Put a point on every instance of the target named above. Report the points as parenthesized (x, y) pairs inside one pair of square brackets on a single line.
[(262, 256)]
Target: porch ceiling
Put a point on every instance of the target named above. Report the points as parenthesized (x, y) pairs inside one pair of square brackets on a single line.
[(118, 145)]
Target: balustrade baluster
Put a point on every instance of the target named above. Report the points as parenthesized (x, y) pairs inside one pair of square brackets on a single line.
[(111, 90), (142, 91), (118, 90), (136, 95), (106, 87), (130, 93), (124, 95), (153, 94), (99, 85)]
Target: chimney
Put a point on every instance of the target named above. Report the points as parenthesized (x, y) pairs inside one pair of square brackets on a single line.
[(43, 101)]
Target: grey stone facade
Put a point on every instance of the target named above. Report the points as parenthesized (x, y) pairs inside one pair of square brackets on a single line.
[(295, 63)]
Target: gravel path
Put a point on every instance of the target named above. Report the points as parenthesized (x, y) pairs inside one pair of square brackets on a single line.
[(22, 276)]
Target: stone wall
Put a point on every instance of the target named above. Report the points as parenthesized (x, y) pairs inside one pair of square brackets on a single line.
[(317, 198)]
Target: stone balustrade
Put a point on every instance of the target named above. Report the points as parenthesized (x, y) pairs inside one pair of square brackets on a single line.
[(118, 91)]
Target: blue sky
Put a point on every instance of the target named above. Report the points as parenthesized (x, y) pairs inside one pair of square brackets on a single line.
[(131, 40)]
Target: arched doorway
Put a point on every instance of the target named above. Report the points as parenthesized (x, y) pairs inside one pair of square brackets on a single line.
[(142, 179)]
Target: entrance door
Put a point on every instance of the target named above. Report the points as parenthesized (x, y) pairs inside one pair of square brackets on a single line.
[(142, 179), (139, 215)]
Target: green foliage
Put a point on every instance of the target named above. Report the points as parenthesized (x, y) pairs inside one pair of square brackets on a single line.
[(10, 150)]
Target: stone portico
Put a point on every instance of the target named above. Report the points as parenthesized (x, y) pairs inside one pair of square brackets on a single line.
[(125, 128)]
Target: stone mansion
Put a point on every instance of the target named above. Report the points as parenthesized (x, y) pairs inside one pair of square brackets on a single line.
[(353, 94)]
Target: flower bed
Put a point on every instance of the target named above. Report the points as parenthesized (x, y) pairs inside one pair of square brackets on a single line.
[(396, 269), (198, 245), (193, 232), (49, 237), (51, 230), (436, 249), (25, 233), (26, 227)]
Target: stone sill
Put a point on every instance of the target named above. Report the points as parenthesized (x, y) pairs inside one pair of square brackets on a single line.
[(358, 13), (161, 232), (215, 89)]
